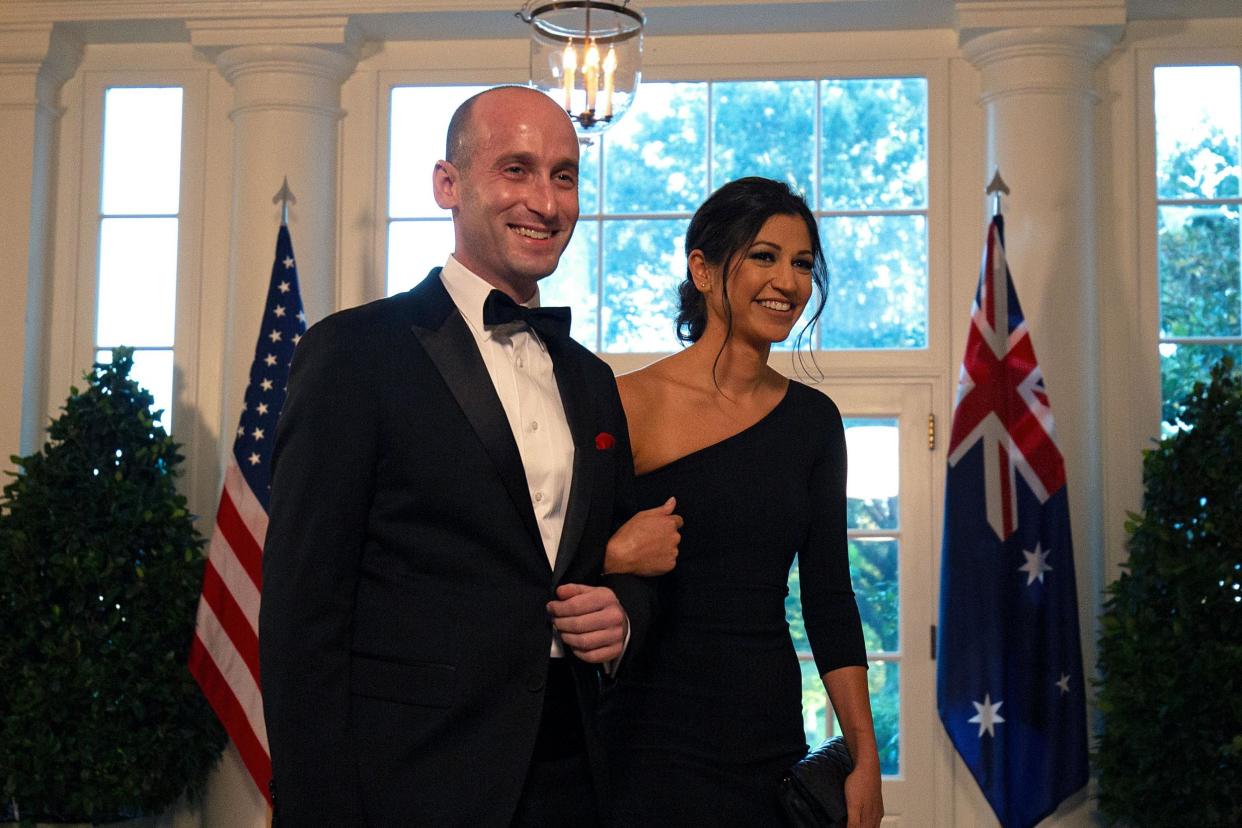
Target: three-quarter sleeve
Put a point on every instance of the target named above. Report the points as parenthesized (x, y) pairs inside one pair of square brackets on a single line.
[(829, 610)]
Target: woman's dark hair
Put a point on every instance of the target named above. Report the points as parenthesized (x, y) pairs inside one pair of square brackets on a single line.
[(725, 227)]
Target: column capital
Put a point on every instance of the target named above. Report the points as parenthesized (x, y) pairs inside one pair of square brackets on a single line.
[(976, 17), (1038, 59), (291, 64), (306, 36), (313, 61), (35, 59)]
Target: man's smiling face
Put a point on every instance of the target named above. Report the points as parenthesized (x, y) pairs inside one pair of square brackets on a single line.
[(514, 196)]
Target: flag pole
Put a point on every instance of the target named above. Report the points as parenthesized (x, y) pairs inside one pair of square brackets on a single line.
[(285, 197), (996, 187)]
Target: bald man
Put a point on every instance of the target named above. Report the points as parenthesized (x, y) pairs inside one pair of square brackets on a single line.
[(450, 468)]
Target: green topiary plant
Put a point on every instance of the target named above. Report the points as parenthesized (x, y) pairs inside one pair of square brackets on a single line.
[(100, 572), (1170, 751)]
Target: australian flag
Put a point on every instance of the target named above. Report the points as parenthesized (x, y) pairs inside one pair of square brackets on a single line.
[(1009, 679)]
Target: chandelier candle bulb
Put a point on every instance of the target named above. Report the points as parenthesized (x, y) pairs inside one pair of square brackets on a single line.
[(610, 73), (590, 75), (587, 56), (569, 62)]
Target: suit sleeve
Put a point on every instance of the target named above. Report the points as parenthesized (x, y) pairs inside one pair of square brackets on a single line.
[(636, 594), (828, 606), (321, 491)]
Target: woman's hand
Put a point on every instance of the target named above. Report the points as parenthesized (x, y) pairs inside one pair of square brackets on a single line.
[(864, 802), (646, 544), (847, 689)]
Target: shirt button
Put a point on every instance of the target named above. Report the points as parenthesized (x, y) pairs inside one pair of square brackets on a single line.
[(520, 364), (538, 497), (534, 425)]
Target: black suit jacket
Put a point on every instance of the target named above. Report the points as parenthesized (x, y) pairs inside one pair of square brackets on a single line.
[(403, 633)]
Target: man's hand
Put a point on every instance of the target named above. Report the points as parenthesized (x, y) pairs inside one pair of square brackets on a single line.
[(646, 544), (590, 620)]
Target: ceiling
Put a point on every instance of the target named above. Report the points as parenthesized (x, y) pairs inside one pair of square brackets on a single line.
[(684, 17), (147, 20)]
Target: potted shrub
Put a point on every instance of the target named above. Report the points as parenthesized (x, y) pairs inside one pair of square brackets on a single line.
[(1170, 751), (100, 572)]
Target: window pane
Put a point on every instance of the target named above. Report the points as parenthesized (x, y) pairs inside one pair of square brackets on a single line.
[(643, 264), (883, 679), (1199, 271), (817, 719), (588, 178), (656, 156), (873, 571), (153, 370), (574, 283), (793, 610), (877, 282), (137, 282), (1198, 131), (874, 151), (414, 248), (746, 118), (141, 151), (419, 121), (883, 682), (1181, 366), (872, 486)]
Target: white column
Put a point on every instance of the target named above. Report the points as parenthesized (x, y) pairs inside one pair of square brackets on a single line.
[(286, 77), (1038, 99), (34, 62)]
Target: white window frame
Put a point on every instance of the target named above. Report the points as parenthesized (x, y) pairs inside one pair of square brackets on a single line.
[(926, 361), (76, 270), (1146, 62)]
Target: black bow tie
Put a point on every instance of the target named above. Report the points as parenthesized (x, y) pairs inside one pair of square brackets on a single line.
[(549, 323)]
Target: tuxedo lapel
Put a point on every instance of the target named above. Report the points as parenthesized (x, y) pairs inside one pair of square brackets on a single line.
[(571, 384), (451, 347)]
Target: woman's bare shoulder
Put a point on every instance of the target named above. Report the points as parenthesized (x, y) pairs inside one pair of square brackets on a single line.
[(644, 388)]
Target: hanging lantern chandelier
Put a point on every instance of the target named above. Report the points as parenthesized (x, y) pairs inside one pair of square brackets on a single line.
[(587, 56)]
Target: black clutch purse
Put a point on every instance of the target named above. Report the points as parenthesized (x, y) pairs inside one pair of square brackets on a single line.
[(812, 794)]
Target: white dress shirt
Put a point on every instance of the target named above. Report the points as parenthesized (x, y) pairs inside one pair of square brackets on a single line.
[(521, 371)]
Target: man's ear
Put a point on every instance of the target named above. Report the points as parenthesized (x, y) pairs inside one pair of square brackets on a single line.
[(445, 181)]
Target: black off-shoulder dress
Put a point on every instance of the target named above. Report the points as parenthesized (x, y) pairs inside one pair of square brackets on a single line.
[(705, 718)]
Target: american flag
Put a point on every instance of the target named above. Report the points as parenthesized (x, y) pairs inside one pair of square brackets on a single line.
[(1009, 677), (224, 656)]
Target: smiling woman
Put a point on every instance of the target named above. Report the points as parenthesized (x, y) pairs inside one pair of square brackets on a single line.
[(758, 233), (690, 748)]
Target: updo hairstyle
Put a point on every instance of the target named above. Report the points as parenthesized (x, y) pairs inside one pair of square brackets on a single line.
[(724, 228)]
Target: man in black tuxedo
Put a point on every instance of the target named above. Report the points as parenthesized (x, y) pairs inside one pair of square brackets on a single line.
[(449, 471)]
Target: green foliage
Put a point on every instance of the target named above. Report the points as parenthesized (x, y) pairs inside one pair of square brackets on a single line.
[(1199, 259), (657, 165), (875, 143), (100, 571), (1170, 753), (873, 570)]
